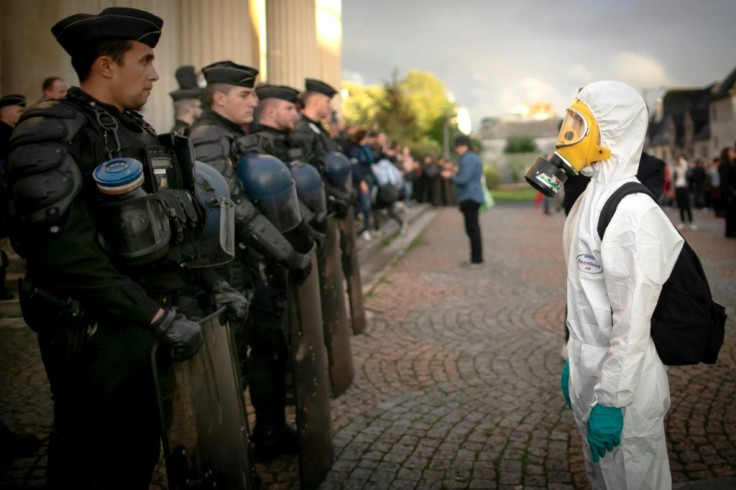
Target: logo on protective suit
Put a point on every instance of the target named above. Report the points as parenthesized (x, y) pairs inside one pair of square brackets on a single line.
[(588, 263)]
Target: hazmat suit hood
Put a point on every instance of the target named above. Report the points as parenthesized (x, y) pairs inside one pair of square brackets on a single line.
[(621, 115)]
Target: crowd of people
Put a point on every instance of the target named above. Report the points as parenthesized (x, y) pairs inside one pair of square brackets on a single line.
[(707, 185)]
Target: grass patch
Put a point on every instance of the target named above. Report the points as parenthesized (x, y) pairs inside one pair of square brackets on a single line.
[(417, 242), (514, 195)]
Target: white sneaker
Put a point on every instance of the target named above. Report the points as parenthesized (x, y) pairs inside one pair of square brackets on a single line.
[(680, 226), (693, 226), (366, 235)]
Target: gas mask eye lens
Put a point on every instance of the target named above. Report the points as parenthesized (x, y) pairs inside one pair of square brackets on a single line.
[(569, 135)]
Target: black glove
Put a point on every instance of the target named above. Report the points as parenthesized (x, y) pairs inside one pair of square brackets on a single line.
[(236, 304), (182, 335), (319, 239), (300, 266), (338, 206)]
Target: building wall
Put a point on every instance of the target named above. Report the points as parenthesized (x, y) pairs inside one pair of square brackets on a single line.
[(195, 32), (722, 123)]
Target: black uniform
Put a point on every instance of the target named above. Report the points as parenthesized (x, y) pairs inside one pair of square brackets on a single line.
[(93, 315), (220, 143), (313, 139), (180, 127)]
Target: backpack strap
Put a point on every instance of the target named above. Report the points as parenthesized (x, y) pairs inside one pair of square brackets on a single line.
[(609, 208)]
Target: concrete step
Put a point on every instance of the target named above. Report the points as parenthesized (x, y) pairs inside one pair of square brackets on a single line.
[(377, 256)]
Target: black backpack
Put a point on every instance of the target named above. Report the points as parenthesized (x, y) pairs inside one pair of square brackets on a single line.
[(687, 325)]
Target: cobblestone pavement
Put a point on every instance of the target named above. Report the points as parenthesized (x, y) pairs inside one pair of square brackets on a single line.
[(457, 377)]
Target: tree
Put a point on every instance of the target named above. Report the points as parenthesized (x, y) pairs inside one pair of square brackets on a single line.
[(412, 110), (395, 115), (361, 105), (521, 144)]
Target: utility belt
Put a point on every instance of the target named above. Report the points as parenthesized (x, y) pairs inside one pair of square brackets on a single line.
[(53, 316)]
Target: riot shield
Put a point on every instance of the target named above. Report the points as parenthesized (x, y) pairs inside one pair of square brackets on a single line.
[(351, 267), (334, 311), (311, 382), (205, 429)]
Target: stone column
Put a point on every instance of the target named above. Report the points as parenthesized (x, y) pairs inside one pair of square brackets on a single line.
[(291, 44), (329, 41)]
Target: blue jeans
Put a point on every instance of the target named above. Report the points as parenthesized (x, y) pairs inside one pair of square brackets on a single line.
[(364, 206)]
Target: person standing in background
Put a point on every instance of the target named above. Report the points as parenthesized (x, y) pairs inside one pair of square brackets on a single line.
[(682, 194), (469, 194)]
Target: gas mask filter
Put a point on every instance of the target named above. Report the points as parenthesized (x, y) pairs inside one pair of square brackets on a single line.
[(577, 146)]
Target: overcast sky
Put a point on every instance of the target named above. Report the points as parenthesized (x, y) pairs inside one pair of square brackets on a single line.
[(494, 55)]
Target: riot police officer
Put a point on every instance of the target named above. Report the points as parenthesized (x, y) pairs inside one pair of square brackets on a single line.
[(187, 100), (104, 214), (308, 133), (218, 140)]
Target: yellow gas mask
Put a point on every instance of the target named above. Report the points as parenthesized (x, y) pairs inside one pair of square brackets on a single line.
[(577, 146)]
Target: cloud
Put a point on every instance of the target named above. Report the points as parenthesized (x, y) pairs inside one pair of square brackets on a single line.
[(637, 69), (353, 76), (580, 74)]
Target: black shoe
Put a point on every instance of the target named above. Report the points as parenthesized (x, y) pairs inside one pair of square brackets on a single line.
[(267, 444)]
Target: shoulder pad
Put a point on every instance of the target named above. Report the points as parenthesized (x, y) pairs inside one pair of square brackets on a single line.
[(210, 143), (252, 143), (43, 176), (50, 120)]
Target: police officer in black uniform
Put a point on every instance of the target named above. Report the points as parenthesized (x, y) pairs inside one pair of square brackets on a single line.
[(187, 100), (218, 140), (308, 133), (104, 262)]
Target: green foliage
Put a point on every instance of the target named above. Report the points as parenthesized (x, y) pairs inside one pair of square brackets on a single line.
[(395, 115), (493, 177), (426, 146), (514, 195), (413, 110), (521, 144), (362, 104)]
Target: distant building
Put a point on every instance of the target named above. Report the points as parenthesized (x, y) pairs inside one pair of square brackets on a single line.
[(722, 113), (538, 122), (680, 124), (699, 122)]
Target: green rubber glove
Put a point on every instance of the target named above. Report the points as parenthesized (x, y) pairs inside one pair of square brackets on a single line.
[(604, 430), (565, 383)]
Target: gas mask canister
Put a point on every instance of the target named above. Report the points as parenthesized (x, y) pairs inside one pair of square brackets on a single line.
[(577, 146)]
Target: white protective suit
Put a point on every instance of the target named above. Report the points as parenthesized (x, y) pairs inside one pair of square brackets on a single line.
[(612, 290)]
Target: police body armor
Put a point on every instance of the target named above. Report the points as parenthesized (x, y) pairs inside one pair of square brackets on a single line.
[(142, 203), (133, 231), (338, 173), (331, 281), (217, 146)]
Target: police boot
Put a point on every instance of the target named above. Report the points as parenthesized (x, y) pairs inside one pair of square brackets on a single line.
[(271, 435), (4, 262), (269, 442)]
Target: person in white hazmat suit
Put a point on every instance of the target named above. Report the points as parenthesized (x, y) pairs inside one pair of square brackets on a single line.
[(613, 378)]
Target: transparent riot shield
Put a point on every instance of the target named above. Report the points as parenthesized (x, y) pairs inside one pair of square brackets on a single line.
[(311, 381), (334, 311), (351, 267), (205, 429)]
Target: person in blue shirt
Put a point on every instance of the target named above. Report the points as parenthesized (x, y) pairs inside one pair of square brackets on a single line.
[(469, 193)]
